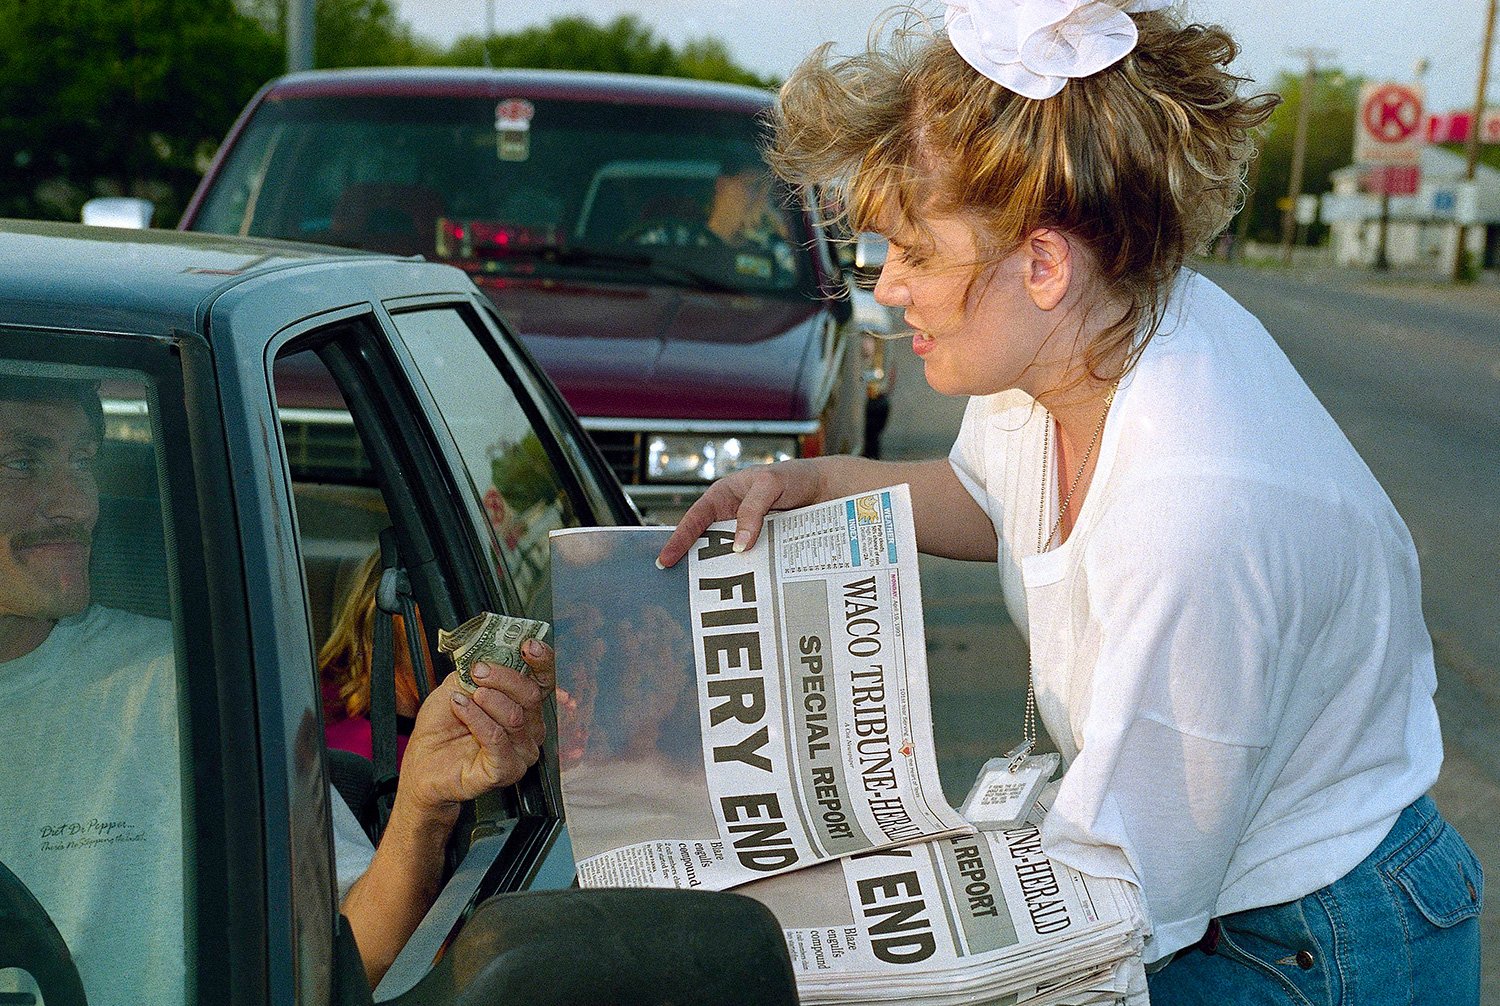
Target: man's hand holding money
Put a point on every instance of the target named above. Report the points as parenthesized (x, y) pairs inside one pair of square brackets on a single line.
[(464, 745), (466, 742)]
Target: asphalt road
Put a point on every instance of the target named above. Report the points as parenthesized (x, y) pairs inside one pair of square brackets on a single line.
[(1411, 371)]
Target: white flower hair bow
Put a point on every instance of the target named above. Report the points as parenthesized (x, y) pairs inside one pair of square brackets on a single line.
[(1032, 47)]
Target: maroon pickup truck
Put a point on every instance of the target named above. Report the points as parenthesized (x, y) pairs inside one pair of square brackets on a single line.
[(691, 309)]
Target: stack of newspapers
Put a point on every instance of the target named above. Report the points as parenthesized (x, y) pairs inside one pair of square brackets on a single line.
[(759, 721), (982, 918)]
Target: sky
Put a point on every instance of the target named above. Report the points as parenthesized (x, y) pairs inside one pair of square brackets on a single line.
[(1376, 38)]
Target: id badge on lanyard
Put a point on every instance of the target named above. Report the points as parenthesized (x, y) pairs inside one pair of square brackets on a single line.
[(1007, 787)]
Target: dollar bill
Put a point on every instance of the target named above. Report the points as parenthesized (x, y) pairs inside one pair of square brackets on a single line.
[(493, 639)]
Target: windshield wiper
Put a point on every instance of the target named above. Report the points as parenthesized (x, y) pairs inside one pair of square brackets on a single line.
[(579, 256)]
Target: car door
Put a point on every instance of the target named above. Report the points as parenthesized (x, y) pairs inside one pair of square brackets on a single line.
[(420, 418), (130, 866)]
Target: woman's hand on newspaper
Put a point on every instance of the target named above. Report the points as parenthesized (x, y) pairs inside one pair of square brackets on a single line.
[(746, 496)]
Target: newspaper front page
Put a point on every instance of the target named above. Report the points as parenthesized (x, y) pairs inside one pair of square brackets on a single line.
[(745, 714)]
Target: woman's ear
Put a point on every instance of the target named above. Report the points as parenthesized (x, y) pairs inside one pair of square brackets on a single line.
[(1049, 267)]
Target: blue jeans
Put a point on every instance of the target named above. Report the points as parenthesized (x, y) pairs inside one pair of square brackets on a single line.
[(1402, 927)]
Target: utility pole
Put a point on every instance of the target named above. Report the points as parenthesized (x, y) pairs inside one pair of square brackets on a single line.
[(1299, 147), (299, 34), (1460, 251), (1242, 226), (489, 29)]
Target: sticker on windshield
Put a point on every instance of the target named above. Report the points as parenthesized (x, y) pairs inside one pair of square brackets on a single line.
[(759, 266), (513, 129)]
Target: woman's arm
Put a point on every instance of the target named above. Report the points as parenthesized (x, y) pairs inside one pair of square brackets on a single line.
[(949, 522)]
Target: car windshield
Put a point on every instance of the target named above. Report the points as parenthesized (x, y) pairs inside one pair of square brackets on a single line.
[(629, 193)]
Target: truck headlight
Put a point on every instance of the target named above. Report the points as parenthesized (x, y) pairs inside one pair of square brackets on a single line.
[(699, 458)]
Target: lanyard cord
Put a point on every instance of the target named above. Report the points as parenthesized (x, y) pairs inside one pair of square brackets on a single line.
[(1028, 719)]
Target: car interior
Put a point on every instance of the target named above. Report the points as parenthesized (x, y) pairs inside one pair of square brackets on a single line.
[(341, 512), (128, 564), (626, 194), (391, 216), (130, 570)]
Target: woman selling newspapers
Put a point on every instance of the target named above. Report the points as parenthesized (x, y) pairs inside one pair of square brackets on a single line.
[(1222, 605)]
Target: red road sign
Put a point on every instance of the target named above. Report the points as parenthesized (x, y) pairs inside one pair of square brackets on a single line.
[(1392, 180), (514, 113), (1392, 113), (1390, 124)]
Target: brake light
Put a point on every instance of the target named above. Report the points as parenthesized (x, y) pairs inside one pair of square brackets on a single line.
[(489, 238), (811, 445)]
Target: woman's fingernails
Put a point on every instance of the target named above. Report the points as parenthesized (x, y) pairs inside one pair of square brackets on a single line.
[(532, 648), (480, 672), (459, 698), (659, 564)]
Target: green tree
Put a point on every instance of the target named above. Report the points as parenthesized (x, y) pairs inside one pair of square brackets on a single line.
[(523, 474), (99, 97), (1330, 145), (624, 45), (351, 33)]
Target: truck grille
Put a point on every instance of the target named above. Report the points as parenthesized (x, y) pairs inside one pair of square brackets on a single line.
[(622, 452), (320, 450)]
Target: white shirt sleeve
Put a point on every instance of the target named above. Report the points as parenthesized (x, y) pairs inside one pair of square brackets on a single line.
[(967, 455), (352, 850)]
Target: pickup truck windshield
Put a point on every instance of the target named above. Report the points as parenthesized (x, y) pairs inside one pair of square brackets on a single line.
[(627, 193)]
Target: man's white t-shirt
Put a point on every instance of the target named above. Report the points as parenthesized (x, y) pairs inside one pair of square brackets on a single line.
[(1228, 649), (91, 802)]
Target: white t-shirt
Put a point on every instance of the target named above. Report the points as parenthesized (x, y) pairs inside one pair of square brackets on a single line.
[(91, 804), (1229, 648)]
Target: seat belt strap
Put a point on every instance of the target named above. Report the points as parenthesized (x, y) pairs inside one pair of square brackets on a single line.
[(383, 683)]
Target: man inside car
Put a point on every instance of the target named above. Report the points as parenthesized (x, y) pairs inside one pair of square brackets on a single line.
[(740, 217), (100, 844)]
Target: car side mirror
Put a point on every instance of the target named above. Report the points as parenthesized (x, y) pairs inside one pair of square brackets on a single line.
[(119, 211), (630, 947), (870, 251), (872, 317)]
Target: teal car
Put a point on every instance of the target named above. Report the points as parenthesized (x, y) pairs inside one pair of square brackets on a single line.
[(274, 414)]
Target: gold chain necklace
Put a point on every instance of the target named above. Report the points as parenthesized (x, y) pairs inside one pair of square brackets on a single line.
[(1062, 510), (1028, 723)]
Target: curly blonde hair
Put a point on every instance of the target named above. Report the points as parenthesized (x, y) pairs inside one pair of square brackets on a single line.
[(1142, 162), (344, 661)]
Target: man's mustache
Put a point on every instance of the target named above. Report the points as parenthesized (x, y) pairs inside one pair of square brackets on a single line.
[(72, 534)]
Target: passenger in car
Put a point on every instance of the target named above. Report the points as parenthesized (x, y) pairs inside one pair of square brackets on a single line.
[(67, 664), (344, 663), (742, 212)]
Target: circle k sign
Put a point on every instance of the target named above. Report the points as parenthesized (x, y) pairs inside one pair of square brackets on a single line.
[(1390, 124)]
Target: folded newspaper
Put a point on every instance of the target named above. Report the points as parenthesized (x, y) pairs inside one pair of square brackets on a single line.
[(983, 918), (743, 717)]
